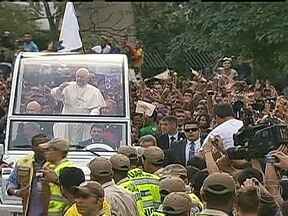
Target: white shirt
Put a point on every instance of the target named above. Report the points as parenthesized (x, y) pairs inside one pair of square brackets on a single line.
[(226, 130), (197, 146)]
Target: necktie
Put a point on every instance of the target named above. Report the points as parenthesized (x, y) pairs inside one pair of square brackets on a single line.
[(172, 139), (191, 151)]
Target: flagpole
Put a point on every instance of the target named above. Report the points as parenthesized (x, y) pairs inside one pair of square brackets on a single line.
[(83, 47)]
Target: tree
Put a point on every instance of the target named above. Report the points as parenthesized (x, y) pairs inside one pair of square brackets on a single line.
[(253, 30), (52, 11), (15, 19)]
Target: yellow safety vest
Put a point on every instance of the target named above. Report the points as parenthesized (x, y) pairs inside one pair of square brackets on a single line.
[(148, 186), (128, 185), (57, 202), (72, 211)]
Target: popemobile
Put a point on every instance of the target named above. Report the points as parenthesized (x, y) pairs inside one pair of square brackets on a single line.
[(80, 97)]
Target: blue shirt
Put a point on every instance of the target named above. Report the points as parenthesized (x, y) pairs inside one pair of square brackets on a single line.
[(30, 47)]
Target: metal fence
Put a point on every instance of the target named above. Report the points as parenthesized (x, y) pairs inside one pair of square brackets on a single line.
[(155, 60)]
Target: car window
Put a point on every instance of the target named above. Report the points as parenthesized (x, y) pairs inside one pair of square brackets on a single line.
[(50, 85)]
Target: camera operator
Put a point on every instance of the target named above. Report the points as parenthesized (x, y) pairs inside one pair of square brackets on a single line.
[(227, 125)]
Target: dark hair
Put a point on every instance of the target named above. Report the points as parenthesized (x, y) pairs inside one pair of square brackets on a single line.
[(223, 110), (191, 171), (190, 91), (97, 126), (284, 194), (217, 199), (70, 177), (197, 162), (170, 119), (39, 139), (247, 200), (249, 173), (207, 117), (197, 181)]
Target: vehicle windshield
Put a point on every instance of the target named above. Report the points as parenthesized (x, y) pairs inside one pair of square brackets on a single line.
[(107, 136), (70, 85)]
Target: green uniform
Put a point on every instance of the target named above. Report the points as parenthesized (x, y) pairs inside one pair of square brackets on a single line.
[(148, 186)]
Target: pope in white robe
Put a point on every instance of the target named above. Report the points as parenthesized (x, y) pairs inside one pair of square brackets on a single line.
[(79, 98)]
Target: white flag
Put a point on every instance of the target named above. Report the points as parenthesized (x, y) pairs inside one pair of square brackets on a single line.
[(70, 39)]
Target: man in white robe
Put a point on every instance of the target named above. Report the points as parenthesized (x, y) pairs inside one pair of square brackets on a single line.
[(79, 98)]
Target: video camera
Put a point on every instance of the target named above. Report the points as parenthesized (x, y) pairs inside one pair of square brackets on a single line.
[(254, 142)]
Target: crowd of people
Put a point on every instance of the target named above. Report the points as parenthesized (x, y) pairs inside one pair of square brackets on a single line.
[(180, 160)]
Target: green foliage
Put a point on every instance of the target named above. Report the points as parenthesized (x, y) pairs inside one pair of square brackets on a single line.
[(20, 18), (253, 30), (16, 19)]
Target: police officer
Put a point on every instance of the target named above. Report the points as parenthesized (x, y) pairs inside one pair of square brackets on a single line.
[(172, 184), (147, 183), (177, 203), (89, 200), (121, 166), (122, 202), (132, 154), (173, 170), (178, 170), (56, 151), (218, 192)]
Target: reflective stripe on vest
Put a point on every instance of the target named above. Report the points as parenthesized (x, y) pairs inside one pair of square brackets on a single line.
[(57, 202), (130, 186), (148, 186)]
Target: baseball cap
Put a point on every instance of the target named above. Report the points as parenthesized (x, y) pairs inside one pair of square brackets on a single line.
[(172, 184), (128, 151), (177, 203), (219, 184), (173, 170), (90, 188), (100, 166), (57, 143), (120, 162), (154, 155)]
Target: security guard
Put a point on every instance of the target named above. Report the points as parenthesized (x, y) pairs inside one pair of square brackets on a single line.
[(56, 152), (24, 183), (121, 166), (147, 183), (89, 200), (132, 154), (168, 185), (177, 203), (172, 184)]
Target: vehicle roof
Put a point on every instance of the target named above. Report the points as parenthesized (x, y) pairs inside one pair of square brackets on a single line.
[(112, 58)]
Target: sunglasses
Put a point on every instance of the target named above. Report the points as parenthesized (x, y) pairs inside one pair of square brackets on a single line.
[(191, 129)]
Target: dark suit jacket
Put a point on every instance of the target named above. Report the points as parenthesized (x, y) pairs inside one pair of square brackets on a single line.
[(163, 140), (176, 152)]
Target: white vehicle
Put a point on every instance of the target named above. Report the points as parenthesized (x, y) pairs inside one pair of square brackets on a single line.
[(34, 78)]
